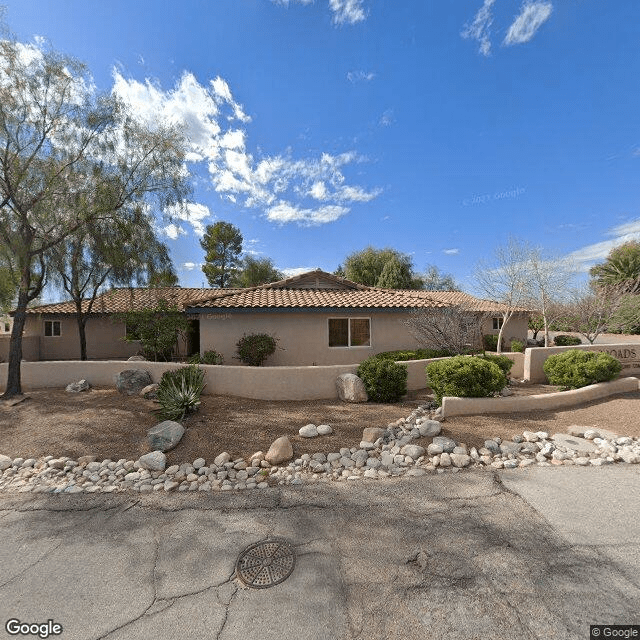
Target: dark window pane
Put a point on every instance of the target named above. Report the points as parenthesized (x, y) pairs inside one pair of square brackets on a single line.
[(339, 332), (47, 328), (56, 328), (360, 333)]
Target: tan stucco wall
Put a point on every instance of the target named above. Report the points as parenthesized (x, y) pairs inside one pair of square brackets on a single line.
[(30, 347), (104, 339), (517, 328), (303, 336), (627, 353), (541, 402)]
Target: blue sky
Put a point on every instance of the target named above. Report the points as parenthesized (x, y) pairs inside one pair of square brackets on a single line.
[(319, 127)]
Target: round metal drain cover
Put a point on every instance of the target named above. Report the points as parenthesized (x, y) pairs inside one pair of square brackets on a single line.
[(265, 564)]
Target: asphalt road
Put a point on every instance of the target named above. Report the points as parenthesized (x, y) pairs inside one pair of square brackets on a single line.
[(536, 553)]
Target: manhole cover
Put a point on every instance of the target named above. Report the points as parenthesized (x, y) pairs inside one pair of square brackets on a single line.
[(266, 563)]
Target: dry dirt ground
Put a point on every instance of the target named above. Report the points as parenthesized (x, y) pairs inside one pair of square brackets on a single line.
[(103, 423)]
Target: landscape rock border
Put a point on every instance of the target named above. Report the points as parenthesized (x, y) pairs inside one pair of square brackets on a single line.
[(392, 454)]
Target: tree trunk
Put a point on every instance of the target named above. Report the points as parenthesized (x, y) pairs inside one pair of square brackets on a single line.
[(14, 388), (499, 345), (83, 337), (546, 331)]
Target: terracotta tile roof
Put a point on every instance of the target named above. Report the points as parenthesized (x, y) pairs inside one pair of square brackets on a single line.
[(314, 289), (124, 299), (283, 298), (465, 300)]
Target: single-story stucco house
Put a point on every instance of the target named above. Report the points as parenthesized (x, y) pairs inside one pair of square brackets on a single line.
[(317, 317)]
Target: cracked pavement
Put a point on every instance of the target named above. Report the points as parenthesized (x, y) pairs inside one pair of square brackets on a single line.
[(540, 553)]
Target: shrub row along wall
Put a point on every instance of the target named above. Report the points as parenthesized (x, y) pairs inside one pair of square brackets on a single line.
[(627, 353), (259, 383), (541, 402)]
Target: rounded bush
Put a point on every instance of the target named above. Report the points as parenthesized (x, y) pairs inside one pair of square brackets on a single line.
[(517, 346), (576, 368), (384, 380), (255, 348), (413, 354), (490, 342), (566, 341), (465, 377), (505, 363)]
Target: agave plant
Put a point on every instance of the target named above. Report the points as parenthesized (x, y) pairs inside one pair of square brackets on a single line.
[(179, 392)]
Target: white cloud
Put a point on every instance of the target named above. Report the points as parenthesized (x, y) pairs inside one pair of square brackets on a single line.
[(173, 231), (360, 76), (286, 3), (284, 212), (296, 271), (531, 18), (585, 257), (386, 119), (214, 125), (451, 252), (190, 266), (191, 212), (480, 28), (347, 11)]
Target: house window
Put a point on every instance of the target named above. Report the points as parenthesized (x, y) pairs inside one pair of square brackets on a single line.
[(497, 323), (349, 332), (6, 326), (52, 328)]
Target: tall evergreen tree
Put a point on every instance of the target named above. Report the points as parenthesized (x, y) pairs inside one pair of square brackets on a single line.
[(222, 243), (368, 265)]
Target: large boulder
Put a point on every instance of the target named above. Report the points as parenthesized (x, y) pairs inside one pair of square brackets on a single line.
[(132, 381), (77, 387), (150, 392), (165, 435), (5, 462), (351, 388), (279, 451)]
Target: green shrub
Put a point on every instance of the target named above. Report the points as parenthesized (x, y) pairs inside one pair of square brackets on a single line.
[(465, 377), (490, 342), (179, 392), (385, 380), (209, 357), (504, 362), (255, 348), (566, 341), (577, 368), (517, 346), (413, 354)]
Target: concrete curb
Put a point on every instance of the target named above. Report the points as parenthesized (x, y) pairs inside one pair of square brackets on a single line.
[(541, 402)]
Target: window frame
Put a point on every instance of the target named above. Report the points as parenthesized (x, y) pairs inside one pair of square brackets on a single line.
[(53, 323), (349, 345), (497, 321)]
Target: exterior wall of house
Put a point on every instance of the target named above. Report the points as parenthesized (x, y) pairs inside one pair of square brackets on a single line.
[(104, 339), (30, 347), (517, 328), (303, 336)]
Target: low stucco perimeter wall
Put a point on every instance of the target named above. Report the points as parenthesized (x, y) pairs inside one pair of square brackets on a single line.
[(259, 383), (627, 353), (542, 402)]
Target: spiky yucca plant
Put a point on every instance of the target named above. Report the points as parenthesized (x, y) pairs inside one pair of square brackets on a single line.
[(179, 392)]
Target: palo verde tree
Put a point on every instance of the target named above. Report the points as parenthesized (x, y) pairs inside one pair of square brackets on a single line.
[(122, 251), (222, 243), (68, 157)]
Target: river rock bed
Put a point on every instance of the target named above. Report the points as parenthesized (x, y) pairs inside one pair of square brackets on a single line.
[(393, 454)]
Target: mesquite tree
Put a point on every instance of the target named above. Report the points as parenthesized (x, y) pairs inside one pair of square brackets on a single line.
[(124, 251), (68, 157)]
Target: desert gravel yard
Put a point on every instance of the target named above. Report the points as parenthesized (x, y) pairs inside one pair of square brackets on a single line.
[(103, 423)]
